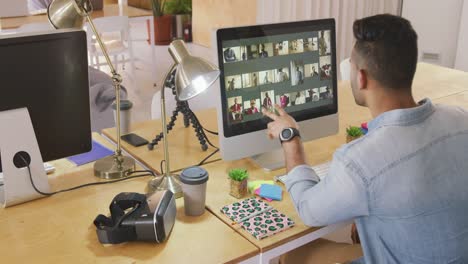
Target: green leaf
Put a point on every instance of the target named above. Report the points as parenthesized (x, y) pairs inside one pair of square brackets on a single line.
[(158, 7), (354, 131), (178, 7), (238, 174)]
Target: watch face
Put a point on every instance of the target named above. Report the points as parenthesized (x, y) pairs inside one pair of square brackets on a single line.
[(286, 133)]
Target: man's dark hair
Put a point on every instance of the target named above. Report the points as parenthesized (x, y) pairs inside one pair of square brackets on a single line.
[(387, 45)]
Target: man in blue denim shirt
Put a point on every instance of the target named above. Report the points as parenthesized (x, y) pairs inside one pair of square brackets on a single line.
[(406, 182)]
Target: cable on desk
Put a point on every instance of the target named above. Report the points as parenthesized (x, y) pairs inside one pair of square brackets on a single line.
[(207, 140), (148, 173), (161, 166), (206, 137), (209, 131), (209, 156)]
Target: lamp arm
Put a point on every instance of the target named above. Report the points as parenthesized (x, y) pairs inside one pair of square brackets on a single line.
[(117, 81), (163, 121), (101, 44)]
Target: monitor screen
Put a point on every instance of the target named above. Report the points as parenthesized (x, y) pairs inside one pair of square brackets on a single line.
[(48, 74), (289, 64)]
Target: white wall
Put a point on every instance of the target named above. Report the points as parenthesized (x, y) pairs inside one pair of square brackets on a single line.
[(13, 8), (344, 12), (461, 61), (437, 24)]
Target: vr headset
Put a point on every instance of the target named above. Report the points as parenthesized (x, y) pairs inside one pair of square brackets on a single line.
[(137, 217)]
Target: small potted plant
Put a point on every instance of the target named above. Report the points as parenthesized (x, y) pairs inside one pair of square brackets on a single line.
[(238, 182), (182, 12), (162, 23), (352, 133)]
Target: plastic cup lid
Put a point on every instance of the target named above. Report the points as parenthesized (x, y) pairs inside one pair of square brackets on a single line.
[(124, 105), (194, 176)]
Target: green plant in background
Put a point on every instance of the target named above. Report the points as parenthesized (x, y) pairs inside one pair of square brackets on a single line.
[(179, 7), (238, 174), (354, 131), (159, 7)]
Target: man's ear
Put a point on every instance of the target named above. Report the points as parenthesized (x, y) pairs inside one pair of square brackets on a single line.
[(362, 79)]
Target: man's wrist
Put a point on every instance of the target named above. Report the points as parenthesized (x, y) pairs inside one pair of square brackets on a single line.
[(294, 141), (293, 153)]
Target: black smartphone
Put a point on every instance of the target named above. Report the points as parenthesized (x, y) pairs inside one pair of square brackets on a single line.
[(134, 140)]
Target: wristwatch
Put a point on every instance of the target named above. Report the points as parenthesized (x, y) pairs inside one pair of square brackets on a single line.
[(288, 133)]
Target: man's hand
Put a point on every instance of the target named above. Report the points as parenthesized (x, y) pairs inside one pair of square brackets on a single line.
[(280, 122), (293, 150)]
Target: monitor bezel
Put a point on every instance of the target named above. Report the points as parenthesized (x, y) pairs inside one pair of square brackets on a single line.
[(231, 130)]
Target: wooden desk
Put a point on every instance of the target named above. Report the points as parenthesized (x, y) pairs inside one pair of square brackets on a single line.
[(184, 148), (458, 99), (435, 81), (108, 10), (59, 229)]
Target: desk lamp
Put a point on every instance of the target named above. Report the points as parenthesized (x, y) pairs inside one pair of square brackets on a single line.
[(71, 14), (193, 76)]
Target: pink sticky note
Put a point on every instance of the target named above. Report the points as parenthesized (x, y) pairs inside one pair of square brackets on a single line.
[(257, 192)]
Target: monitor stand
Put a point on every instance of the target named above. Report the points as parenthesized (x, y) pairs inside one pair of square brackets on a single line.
[(270, 161), (18, 140)]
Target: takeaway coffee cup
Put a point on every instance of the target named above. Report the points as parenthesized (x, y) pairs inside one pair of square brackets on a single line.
[(193, 181), (125, 114)]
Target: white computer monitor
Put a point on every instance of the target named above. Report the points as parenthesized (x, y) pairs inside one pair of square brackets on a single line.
[(290, 64)]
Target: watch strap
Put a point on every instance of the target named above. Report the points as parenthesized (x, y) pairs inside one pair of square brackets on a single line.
[(295, 133)]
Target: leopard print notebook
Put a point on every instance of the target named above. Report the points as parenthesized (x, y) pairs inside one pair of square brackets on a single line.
[(257, 217)]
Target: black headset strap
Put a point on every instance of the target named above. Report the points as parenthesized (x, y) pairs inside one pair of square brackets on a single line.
[(108, 229)]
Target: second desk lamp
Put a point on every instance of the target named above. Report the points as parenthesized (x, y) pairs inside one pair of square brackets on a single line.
[(193, 76), (70, 14)]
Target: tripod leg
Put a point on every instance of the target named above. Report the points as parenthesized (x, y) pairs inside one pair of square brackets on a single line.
[(198, 128), (170, 125), (186, 116)]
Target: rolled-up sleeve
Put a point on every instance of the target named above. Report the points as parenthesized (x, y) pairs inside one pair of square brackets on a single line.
[(340, 196)]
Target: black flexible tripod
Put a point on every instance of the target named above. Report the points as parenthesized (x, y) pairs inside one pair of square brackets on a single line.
[(189, 117)]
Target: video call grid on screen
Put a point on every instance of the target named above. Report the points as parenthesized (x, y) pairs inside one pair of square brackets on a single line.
[(293, 70)]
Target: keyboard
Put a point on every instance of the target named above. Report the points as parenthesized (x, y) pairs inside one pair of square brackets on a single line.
[(320, 169)]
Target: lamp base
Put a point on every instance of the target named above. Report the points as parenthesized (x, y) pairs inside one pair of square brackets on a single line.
[(166, 182), (108, 167)]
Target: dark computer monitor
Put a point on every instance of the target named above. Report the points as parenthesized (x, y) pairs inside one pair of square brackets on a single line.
[(48, 74), (289, 64)]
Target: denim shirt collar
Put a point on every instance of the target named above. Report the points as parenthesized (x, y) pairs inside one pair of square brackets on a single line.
[(406, 116)]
